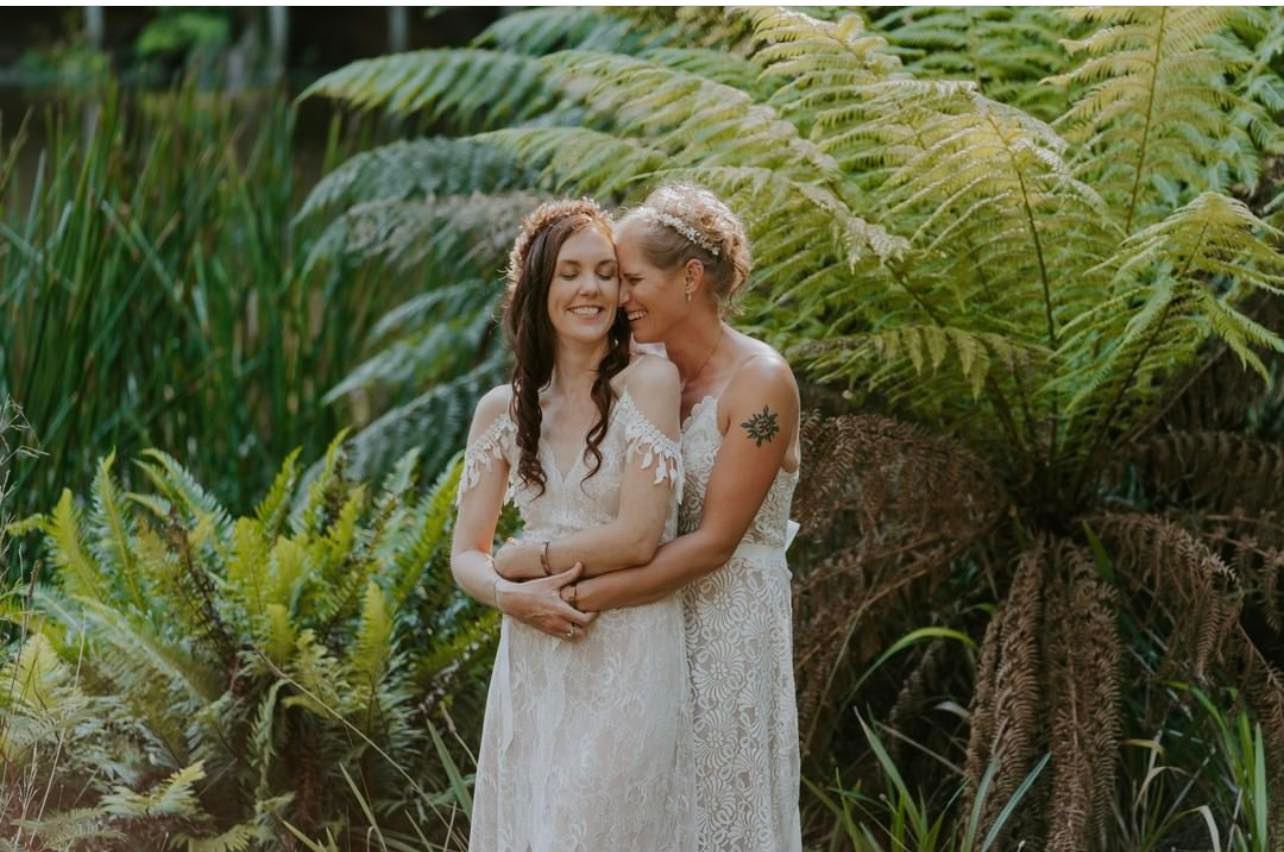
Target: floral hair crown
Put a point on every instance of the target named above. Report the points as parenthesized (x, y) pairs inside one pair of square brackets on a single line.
[(686, 229)]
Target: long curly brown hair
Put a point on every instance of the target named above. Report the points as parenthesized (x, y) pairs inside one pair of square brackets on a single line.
[(530, 333)]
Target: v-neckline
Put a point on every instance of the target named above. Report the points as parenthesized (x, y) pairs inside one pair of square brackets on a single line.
[(551, 457)]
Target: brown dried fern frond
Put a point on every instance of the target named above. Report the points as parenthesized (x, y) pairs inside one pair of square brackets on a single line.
[(1253, 546), (917, 503), (1223, 471), (1007, 712), (1184, 578), (1083, 659), (886, 471)]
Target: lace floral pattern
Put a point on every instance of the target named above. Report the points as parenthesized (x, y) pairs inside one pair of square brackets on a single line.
[(738, 625), (586, 746)]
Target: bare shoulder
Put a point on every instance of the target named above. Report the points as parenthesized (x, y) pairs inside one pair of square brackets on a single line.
[(651, 373), (764, 371), (494, 402)]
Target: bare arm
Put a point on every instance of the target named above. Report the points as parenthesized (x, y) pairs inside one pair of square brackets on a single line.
[(480, 499), (632, 537), (762, 402)]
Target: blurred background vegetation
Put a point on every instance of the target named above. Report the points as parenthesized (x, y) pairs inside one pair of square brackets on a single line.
[(1026, 263)]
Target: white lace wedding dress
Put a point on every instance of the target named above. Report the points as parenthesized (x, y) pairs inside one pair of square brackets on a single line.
[(740, 650), (586, 745)]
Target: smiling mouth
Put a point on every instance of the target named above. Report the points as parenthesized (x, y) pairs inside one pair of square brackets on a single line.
[(587, 310), (634, 316)]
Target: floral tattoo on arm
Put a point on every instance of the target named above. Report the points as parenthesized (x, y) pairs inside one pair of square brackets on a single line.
[(762, 426)]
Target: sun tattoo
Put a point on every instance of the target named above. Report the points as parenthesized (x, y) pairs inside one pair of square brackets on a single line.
[(762, 426)]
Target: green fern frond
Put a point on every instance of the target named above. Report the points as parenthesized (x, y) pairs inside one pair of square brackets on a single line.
[(924, 347), (238, 838), (264, 734), (471, 87), (113, 533), (828, 65), (80, 573), (541, 30), (436, 350), (436, 421), (274, 507), (279, 636), (1151, 101), (174, 797), (728, 69), (248, 565), (421, 168), (314, 513), (463, 297), (184, 491), (433, 517), (374, 636), (1007, 51), (288, 561), (402, 234), (71, 828), (320, 674), (134, 655), (579, 159), (698, 118)]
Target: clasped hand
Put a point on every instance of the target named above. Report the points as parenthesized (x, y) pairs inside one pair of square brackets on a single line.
[(541, 604)]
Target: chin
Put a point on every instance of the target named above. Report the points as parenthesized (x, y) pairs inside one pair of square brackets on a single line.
[(642, 336)]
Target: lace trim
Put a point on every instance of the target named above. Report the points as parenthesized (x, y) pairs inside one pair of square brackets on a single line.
[(643, 436), (482, 452)]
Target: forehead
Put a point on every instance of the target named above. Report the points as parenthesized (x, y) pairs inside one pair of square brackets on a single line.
[(628, 232), (588, 244)]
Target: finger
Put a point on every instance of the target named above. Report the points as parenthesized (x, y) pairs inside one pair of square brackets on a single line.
[(572, 614), (558, 628), (570, 575)]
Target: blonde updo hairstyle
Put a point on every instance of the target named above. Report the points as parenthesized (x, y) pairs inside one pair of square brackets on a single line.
[(684, 222)]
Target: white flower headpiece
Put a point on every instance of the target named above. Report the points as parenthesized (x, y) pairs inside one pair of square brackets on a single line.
[(686, 229)]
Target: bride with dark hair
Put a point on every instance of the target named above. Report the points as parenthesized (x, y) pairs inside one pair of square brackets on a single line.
[(586, 743)]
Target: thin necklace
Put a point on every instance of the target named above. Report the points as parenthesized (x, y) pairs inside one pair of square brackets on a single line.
[(708, 357)]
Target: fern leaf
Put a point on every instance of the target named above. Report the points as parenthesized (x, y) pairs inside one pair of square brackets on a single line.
[(407, 170), (374, 636), (272, 509), (80, 573), (472, 87), (174, 797)]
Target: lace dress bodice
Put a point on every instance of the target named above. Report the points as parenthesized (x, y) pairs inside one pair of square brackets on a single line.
[(570, 502), (586, 745), (701, 440)]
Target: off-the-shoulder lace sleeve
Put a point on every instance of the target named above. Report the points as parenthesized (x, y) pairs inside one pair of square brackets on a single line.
[(648, 443), (490, 445)]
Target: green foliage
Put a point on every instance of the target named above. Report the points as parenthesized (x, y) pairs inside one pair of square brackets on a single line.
[(1043, 232), (897, 218), (215, 678), (152, 291)]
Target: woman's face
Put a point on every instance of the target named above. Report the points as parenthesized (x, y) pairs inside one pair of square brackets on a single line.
[(652, 298), (585, 291)]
